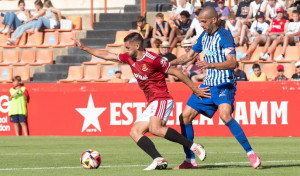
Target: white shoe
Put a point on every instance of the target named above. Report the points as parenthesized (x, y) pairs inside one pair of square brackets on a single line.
[(199, 151), (267, 57), (1, 29), (261, 56), (11, 42), (245, 56), (158, 163), (278, 58), (5, 31)]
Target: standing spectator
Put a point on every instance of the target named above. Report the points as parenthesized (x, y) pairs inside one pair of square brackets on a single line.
[(292, 36), (296, 76), (195, 26), (240, 75), (281, 77), (144, 29), (13, 20), (165, 51), (257, 75), (181, 27), (234, 26), (223, 9), (18, 106), (271, 9), (211, 3), (160, 31), (118, 78)]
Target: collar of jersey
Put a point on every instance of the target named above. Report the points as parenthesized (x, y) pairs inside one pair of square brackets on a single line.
[(143, 56)]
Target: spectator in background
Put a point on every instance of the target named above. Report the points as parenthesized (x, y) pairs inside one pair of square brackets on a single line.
[(50, 20), (160, 31), (183, 6), (223, 9), (13, 20), (165, 51), (234, 26), (243, 9), (18, 106), (271, 9), (211, 3), (144, 29), (281, 77), (195, 26), (31, 22), (239, 74), (181, 27), (292, 36), (118, 78), (235, 7), (221, 22), (257, 75), (296, 76)]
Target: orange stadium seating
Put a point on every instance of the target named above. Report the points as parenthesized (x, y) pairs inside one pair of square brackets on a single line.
[(126, 72), (10, 57), (65, 39), (3, 39), (108, 71), (6, 74), (51, 39), (35, 39), (270, 70), (120, 35), (91, 73), (27, 57), (248, 70), (24, 72), (44, 56), (77, 22), (254, 56), (289, 69), (292, 54), (75, 73), (1, 56)]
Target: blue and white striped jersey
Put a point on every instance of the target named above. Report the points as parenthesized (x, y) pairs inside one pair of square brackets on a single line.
[(215, 48)]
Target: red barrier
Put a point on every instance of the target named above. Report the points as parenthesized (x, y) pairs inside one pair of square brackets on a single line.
[(101, 109)]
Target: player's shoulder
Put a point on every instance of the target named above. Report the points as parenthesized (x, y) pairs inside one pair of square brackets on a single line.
[(225, 35), (151, 56)]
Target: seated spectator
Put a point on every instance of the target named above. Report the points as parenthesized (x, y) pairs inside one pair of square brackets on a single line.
[(243, 9), (50, 20), (257, 75), (221, 22), (160, 31), (296, 76), (240, 75), (165, 51), (144, 29), (31, 22), (183, 6), (292, 36), (118, 78), (281, 77), (275, 34), (195, 26), (235, 7), (211, 3), (181, 27), (223, 9), (271, 9), (13, 20), (234, 26)]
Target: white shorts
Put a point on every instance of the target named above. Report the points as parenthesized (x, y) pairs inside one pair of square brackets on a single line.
[(159, 108)]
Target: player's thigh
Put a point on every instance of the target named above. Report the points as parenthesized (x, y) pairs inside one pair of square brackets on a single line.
[(138, 130), (225, 111)]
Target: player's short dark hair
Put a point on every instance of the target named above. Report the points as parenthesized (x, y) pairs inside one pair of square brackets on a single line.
[(17, 78), (161, 15), (134, 37), (255, 66), (296, 12), (185, 13), (140, 19)]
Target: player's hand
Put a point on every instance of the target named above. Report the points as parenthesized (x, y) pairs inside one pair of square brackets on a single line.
[(202, 92), (78, 43)]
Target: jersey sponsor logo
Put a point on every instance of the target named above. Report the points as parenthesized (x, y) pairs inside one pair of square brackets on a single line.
[(144, 68), (138, 76), (207, 52), (163, 62)]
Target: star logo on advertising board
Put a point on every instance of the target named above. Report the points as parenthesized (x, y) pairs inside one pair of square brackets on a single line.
[(91, 114)]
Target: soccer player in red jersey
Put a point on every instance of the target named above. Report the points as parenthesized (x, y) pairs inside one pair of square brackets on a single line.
[(149, 69)]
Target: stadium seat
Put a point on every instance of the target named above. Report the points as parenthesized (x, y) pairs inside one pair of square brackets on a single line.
[(289, 69), (108, 71), (10, 57), (65, 39), (75, 73), (77, 22), (3, 39), (6, 74), (1, 56), (24, 72), (154, 50), (51, 39), (292, 54), (91, 73), (27, 57), (270, 70), (126, 72), (1, 24), (35, 39), (254, 58), (248, 70), (44, 56), (119, 40)]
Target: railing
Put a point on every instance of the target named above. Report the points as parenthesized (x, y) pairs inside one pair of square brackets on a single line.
[(92, 11), (143, 7)]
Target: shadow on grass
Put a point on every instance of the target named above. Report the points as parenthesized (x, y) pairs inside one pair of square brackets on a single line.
[(213, 167)]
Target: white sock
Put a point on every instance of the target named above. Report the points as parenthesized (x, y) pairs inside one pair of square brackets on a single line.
[(250, 152), (190, 160), (158, 158)]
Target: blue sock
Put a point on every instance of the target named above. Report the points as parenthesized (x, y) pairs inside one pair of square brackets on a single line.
[(187, 131), (239, 134)]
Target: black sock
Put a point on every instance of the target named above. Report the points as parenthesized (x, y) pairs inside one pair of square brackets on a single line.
[(174, 136), (148, 146)]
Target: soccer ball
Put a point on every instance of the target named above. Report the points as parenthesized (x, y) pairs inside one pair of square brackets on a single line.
[(90, 159)]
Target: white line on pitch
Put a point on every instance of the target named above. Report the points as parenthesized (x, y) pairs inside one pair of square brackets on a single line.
[(116, 166)]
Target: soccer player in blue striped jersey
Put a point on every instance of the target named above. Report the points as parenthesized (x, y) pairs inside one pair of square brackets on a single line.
[(218, 47)]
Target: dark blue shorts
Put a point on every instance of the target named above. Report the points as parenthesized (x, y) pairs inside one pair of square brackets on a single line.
[(219, 95), (17, 118)]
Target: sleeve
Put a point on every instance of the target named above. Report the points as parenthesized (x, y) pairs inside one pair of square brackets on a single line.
[(227, 42), (193, 23), (123, 57), (160, 64), (226, 11), (252, 28), (198, 46), (266, 27)]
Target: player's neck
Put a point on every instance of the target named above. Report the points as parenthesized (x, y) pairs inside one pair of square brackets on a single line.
[(214, 30), (140, 54)]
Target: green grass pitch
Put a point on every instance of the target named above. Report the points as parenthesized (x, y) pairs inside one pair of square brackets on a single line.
[(59, 156)]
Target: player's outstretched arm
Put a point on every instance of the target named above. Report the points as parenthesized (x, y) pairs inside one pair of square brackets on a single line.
[(227, 65), (199, 92), (101, 53), (184, 58)]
